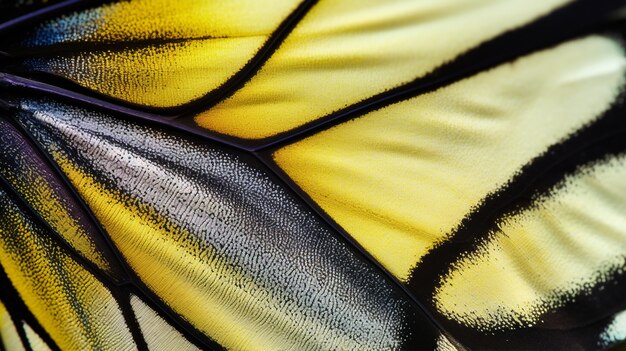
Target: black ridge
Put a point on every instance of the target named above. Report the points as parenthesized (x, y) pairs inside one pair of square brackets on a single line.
[(10, 55), (178, 322), (576, 20), (123, 300), (282, 178), (19, 312), (601, 139), (606, 136)]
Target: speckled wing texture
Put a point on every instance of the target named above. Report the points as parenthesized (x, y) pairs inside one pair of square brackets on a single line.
[(312, 175)]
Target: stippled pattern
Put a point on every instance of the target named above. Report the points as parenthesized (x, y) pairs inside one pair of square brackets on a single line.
[(155, 53), (219, 241), (24, 169), (140, 20), (570, 241), (76, 309), (614, 332), (523, 220), (152, 74)]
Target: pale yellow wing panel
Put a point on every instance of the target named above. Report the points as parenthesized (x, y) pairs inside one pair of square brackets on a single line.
[(344, 51), (35, 341), (161, 53), (159, 335), (566, 244), (444, 344), (8, 333), (399, 179)]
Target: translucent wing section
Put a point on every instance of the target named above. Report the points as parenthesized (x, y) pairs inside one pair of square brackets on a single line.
[(401, 178), (52, 284), (155, 53), (219, 242), (343, 52)]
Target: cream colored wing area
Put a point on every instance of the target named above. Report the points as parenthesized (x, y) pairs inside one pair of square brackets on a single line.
[(567, 243), (159, 335), (8, 333), (166, 52), (345, 51), (35, 341), (399, 179), (75, 308)]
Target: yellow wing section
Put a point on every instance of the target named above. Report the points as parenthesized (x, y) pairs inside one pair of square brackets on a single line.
[(345, 51), (52, 284), (401, 178), (26, 171), (563, 246), (199, 225), (160, 53)]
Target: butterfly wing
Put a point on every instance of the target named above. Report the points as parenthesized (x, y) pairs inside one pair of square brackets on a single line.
[(314, 175)]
